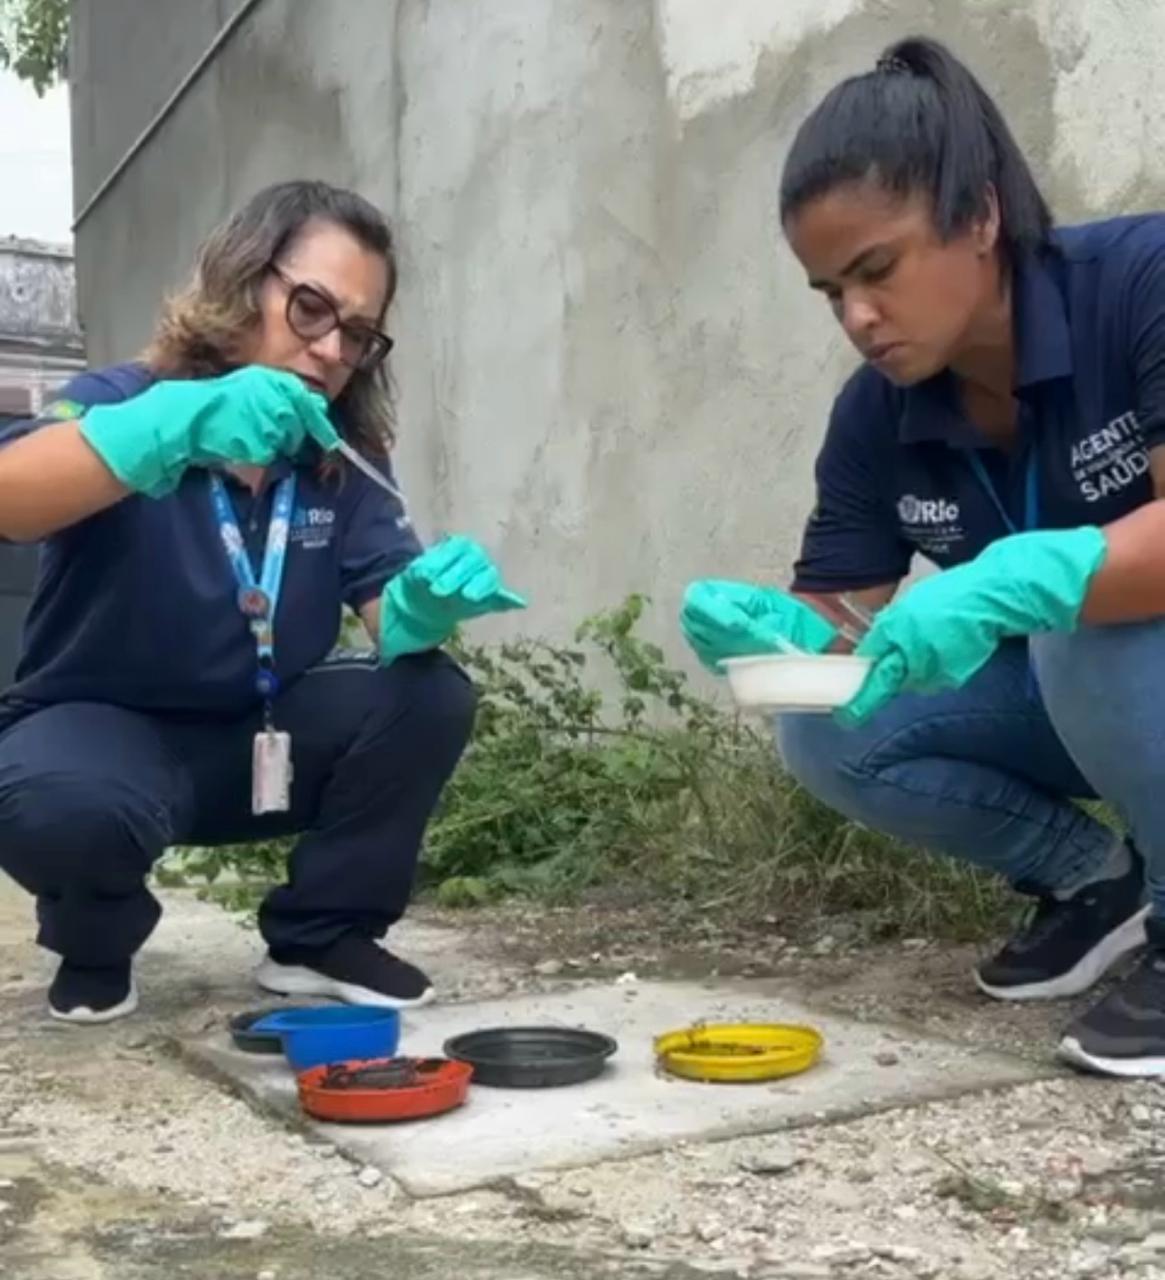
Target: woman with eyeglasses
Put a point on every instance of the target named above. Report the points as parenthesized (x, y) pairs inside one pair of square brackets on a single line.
[(201, 531)]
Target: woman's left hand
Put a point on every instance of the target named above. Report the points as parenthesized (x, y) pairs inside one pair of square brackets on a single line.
[(948, 626), (446, 585)]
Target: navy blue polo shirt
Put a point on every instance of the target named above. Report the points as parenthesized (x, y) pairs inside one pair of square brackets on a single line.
[(137, 605), (903, 472)]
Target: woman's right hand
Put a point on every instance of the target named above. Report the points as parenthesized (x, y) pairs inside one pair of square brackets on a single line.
[(722, 619), (249, 417)]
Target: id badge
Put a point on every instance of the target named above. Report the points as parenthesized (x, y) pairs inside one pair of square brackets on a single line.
[(271, 772)]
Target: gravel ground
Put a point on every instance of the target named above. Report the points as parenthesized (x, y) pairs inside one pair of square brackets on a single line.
[(1060, 1178)]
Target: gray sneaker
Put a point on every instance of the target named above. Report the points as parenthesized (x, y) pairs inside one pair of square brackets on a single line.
[(1124, 1035), (1068, 944)]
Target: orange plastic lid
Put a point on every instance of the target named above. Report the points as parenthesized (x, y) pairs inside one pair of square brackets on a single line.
[(383, 1090)]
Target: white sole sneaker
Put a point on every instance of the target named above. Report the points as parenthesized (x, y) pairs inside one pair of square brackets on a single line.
[(1071, 1050), (83, 1016), (1086, 972), (296, 980)]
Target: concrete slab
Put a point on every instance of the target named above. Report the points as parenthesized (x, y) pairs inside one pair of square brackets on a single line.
[(630, 1109)]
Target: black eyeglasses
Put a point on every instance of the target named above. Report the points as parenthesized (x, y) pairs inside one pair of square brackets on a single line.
[(312, 315)]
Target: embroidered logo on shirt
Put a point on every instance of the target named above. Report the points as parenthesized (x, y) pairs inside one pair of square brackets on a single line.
[(912, 510), (1110, 459), (313, 527), (932, 524)]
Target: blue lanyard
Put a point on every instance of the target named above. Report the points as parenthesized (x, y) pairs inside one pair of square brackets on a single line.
[(257, 601), (1031, 493)]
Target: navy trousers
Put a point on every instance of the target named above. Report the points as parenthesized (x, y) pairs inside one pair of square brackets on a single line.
[(92, 794)]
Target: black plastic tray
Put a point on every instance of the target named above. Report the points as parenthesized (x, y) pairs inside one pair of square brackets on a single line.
[(258, 1042), (531, 1057)]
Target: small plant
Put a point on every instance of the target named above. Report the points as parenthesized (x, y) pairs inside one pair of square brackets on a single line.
[(562, 786), (988, 1196)]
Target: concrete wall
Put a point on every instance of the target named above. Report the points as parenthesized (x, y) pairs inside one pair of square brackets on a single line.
[(610, 367), (303, 87)]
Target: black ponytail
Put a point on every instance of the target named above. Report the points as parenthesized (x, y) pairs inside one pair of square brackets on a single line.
[(920, 123)]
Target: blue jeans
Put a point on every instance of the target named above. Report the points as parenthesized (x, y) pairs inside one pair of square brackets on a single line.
[(987, 773)]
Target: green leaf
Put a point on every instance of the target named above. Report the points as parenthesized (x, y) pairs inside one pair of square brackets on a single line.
[(34, 40)]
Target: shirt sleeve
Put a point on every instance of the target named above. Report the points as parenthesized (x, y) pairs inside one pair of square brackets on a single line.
[(1145, 291), (852, 538), (378, 542), (71, 401)]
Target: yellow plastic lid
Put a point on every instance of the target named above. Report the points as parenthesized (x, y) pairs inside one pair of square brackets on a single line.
[(738, 1051)]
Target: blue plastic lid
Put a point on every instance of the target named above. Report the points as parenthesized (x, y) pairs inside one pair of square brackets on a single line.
[(332, 1016)]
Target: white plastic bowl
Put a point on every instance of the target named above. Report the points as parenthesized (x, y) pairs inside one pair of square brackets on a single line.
[(795, 682)]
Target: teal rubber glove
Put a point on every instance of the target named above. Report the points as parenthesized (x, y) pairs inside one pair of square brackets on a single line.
[(948, 626), (251, 416), (448, 584), (722, 619)]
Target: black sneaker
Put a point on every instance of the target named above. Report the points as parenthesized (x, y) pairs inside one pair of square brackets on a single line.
[(1124, 1035), (87, 995), (1069, 944), (353, 969)]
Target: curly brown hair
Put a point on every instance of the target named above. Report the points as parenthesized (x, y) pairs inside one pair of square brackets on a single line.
[(200, 327)]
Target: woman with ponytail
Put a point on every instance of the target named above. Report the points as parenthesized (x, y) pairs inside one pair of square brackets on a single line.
[(1007, 426)]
